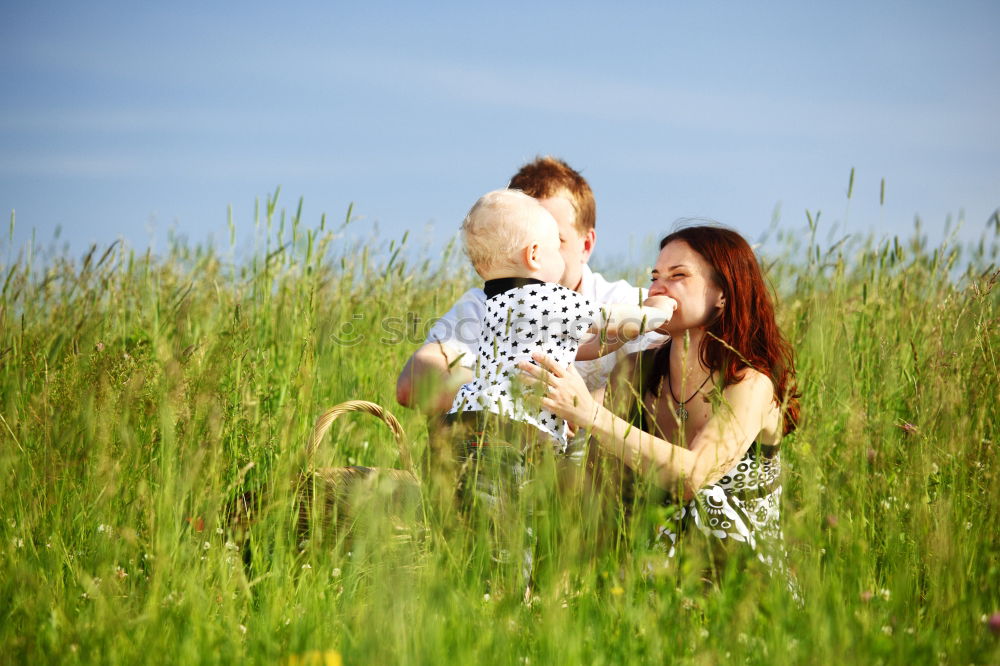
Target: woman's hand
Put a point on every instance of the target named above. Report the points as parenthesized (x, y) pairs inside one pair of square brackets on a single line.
[(566, 393)]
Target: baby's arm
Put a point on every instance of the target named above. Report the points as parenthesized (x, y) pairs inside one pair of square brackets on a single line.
[(620, 323)]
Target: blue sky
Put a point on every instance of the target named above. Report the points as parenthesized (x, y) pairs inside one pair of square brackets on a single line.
[(127, 119)]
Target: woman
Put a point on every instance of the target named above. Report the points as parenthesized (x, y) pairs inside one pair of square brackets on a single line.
[(715, 401)]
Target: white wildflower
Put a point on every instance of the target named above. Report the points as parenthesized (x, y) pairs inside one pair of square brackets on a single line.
[(206, 545)]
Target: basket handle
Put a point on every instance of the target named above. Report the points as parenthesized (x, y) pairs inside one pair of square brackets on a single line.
[(327, 418)]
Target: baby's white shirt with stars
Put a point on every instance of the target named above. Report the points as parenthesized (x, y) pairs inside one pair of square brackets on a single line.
[(524, 316)]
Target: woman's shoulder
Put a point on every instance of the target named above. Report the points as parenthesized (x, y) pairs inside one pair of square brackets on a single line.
[(753, 379), (753, 395), (752, 386)]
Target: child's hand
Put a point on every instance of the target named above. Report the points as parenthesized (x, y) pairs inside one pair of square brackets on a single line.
[(664, 303), (621, 323), (657, 311)]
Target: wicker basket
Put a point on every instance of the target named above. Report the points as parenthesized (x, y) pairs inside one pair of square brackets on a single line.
[(337, 495)]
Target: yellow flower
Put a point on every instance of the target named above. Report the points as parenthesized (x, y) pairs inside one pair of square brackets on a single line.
[(315, 658)]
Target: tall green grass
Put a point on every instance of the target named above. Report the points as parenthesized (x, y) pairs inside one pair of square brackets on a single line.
[(140, 394)]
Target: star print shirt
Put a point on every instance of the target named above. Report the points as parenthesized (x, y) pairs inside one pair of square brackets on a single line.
[(460, 327), (523, 316)]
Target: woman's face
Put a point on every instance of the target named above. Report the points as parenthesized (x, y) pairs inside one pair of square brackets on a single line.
[(685, 276)]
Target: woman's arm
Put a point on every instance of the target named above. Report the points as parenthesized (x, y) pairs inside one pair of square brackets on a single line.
[(722, 441)]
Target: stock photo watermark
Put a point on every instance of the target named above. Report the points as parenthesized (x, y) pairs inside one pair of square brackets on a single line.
[(412, 329)]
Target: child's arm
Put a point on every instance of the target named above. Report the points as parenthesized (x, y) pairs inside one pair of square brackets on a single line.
[(631, 321), (619, 324)]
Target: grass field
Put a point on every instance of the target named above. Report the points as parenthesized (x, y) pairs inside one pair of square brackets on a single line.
[(140, 394)]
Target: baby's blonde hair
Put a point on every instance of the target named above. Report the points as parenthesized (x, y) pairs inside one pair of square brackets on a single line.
[(499, 225)]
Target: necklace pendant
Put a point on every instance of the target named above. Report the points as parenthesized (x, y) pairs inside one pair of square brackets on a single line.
[(682, 413)]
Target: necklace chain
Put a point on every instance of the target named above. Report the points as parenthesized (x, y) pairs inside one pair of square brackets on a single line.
[(681, 411)]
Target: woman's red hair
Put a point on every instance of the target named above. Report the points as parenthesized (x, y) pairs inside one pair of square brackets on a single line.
[(746, 324)]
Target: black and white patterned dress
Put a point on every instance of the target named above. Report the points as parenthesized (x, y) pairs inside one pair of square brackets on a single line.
[(743, 506), (524, 316)]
